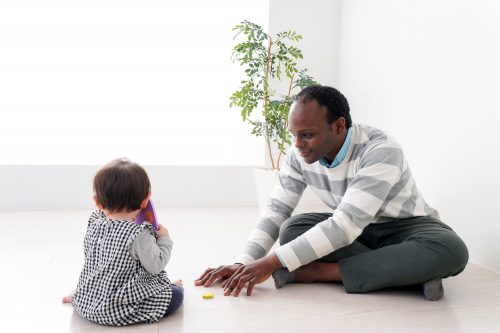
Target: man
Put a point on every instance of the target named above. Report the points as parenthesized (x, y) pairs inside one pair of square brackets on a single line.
[(381, 233)]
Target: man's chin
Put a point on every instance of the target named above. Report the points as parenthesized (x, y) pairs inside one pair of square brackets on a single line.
[(309, 159)]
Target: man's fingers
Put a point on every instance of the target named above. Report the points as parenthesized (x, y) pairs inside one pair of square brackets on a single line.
[(241, 283), (209, 278), (251, 285), (225, 274), (229, 283), (234, 281), (224, 283), (212, 277), (199, 281)]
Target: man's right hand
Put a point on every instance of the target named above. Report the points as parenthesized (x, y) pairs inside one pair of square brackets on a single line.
[(213, 274)]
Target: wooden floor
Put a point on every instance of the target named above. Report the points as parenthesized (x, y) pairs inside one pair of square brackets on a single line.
[(41, 254)]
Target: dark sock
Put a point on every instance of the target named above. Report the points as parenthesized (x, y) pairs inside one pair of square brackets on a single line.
[(433, 289), (282, 276)]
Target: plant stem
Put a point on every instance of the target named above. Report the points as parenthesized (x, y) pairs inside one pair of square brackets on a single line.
[(266, 98), (286, 123)]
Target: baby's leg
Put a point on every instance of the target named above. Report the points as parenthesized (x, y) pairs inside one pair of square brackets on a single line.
[(177, 298)]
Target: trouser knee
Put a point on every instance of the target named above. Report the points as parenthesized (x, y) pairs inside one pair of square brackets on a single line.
[(459, 253), (296, 225), (287, 231), (453, 254)]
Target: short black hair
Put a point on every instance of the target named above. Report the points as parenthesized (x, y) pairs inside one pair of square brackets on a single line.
[(335, 103), (121, 185)]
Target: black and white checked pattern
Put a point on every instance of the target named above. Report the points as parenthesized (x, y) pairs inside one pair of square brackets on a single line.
[(113, 288)]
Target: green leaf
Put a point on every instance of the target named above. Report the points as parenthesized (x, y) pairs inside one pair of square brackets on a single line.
[(254, 94)]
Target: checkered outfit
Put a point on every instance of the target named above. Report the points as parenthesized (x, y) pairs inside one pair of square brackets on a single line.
[(114, 289)]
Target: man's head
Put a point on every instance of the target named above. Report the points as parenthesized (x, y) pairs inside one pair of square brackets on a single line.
[(319, 120), (121, 186)]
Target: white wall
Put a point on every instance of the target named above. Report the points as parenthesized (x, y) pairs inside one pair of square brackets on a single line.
[(69, 187), (319, 26), (429, 72), (83, 82), (318, 23), (426, 71), (66, 187)]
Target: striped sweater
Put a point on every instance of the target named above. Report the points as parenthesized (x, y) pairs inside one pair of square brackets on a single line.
[(373, 184)]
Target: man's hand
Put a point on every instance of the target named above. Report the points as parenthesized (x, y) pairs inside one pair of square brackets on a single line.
[(254, 273), (213, 274)]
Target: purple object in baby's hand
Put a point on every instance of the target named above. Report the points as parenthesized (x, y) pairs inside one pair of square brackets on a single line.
[(148, 214)]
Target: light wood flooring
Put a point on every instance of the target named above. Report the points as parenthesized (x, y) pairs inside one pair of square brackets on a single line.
[(41, 254)]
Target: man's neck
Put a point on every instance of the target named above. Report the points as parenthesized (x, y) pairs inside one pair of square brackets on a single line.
[(331, 156)]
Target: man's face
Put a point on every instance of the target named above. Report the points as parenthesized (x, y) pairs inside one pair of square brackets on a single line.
[(313, 136)]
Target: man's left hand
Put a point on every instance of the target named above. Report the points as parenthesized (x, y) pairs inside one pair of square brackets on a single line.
[(254, 273)]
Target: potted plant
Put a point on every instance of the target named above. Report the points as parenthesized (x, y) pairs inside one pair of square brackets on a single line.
[(265, 60)]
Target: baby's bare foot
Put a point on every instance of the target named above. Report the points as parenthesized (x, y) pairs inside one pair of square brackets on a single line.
[(66, 299), (178, 282)]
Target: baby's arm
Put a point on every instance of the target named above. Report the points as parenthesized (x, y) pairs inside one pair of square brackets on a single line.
[(151, 252)]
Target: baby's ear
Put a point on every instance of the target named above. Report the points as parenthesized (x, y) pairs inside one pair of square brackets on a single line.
[(96, 201), (144, 202)]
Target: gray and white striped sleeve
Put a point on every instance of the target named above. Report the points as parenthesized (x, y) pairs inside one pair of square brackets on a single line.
[(283, 200)]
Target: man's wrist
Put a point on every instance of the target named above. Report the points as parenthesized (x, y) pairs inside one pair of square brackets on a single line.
[(275, 261), (281, 260)]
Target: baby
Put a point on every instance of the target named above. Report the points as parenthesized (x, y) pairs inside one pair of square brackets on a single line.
[(123, 280)]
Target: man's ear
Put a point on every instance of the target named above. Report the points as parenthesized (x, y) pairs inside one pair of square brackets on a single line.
[(96, 201), (144, 202), (339, 125)]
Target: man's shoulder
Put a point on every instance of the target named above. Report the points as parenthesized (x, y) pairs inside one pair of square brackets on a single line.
[(377, 146), (374, 136), (370, 133)]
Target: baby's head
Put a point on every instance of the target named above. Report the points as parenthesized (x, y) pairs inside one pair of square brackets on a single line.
[(121, 186)]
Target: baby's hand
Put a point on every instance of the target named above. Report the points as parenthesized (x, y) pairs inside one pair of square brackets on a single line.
[(162, 231)]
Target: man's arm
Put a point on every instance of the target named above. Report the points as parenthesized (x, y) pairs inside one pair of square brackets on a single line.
[(284, 199)]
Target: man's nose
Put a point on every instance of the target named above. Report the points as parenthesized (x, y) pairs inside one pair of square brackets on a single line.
[(299, 143)]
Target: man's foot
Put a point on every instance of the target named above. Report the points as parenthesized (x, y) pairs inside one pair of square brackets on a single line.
[(282, 276), (433, 289)]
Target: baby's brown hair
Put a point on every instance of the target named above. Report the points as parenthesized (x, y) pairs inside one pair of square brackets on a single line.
[(121, 185)]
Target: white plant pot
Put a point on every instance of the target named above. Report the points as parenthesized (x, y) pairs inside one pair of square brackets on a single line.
[(264, 182)]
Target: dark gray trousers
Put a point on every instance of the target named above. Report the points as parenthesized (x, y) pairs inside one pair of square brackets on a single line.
[(391, 254)]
